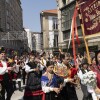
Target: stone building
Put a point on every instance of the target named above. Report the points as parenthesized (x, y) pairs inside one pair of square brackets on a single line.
[(12, 34), (49, 28), (39, 41), (65, 13), (10, 15)]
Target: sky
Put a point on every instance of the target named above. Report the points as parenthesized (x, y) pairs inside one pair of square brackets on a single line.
[(31, 12)]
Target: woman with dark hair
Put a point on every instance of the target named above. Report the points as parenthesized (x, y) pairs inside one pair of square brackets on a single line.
[(96, 68), (51, 83), (93, 64), (33, 84)]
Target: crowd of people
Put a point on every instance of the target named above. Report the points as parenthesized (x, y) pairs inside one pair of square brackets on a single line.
[(47, 77)]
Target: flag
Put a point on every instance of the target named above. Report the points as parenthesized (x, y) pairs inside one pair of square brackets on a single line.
[(90, 11), (74, 33), (74, 25)]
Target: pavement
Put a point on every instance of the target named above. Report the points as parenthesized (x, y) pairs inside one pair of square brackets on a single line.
[(18, 95)]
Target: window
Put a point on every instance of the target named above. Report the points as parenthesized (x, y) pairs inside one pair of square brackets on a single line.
[(64, 2), (66, 35), (0, 19), (80, 32), (7, 1), (12, 28), (55, 23), (55, 40), (0, 23), (7, 13), (8, 26), (69, 1), (67, 14)]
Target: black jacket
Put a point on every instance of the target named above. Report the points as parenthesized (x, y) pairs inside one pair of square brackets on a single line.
[(33, 79)]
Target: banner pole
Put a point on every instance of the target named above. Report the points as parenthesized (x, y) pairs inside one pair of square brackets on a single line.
[(83, 32)]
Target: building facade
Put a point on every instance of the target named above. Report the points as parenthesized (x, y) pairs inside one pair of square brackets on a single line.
[(65, 13), (49, 28), (31, 40), (12, 34), (10, 15), (39, 41)]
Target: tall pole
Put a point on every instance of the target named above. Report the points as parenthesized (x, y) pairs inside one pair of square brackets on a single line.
[(83, 32)]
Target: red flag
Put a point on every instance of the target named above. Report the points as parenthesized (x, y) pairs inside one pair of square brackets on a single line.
[(73, 34), (90, 10), (74, 25), (77, 39)]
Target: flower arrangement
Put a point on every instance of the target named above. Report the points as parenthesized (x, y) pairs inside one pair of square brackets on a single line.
[(89, 79), (61, 71)]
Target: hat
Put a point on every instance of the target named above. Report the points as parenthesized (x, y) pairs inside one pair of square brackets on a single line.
[(2, 50)]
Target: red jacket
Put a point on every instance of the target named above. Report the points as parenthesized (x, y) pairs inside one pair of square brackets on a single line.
[(97, 70)]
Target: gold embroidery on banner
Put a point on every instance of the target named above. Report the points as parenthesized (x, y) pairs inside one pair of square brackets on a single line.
[(92, 15)]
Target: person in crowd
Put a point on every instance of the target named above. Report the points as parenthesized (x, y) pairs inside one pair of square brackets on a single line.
[(25, 60), (69, 92), (33, 84), (61, 55), (43, 62), (17, 70), (85, 60), (51, 55), (96, 68), (79, 60), (56, 61), (93, 64), (51, 83), (13, 73), (5, 77), (84, 69)]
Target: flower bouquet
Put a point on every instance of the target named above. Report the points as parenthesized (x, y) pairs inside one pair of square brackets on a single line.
[(61, 71), (89, 79)]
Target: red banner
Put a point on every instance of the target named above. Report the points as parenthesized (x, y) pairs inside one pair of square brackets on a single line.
[(90, 10)]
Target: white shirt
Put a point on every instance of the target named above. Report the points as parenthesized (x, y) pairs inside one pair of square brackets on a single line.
[(28, 69), (42, 62), (16, 69), (80, 74), (27, 60), (46, 89), (4, 68)]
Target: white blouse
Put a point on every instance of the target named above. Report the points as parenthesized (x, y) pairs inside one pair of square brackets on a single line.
[(4, 68)]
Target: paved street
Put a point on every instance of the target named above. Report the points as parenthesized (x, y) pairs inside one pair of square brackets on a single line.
[(18, 95)]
